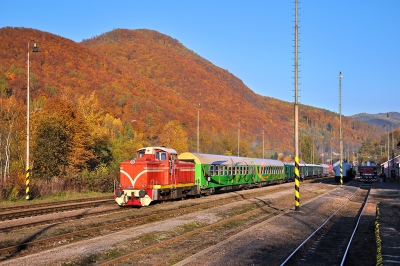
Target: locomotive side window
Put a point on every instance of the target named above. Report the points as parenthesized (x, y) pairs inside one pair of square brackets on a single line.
[(211, 170), (216, 170), (162, 156)]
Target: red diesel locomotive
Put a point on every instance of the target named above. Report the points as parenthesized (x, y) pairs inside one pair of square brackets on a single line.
[(155, 174), (368, 172)]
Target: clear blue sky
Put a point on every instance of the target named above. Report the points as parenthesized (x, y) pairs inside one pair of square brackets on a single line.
[(254, 40)]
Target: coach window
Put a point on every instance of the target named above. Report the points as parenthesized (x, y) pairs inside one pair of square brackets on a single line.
[(211, 170), (216, 168)]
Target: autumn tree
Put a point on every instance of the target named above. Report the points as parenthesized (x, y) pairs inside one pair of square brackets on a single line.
[(61, 141), (125, 145), (366, 150), (97, 122), (174, 136), (307, 150), (9, 116)]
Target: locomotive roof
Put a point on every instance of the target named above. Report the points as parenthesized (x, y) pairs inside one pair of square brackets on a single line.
[(201, 158), (151, 150)]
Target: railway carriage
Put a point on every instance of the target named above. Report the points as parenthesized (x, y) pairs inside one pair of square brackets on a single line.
[(315, 170), (325, 169), (306, 171), (221, 172)]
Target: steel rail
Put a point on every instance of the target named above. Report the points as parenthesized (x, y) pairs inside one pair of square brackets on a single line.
[(325, 222), (356, 226), (46, 204), (49, 209)]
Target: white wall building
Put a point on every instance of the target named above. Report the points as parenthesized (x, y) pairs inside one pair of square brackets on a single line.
[(390, 165)]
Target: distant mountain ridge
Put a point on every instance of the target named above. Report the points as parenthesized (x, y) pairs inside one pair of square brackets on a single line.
[(380, 119)]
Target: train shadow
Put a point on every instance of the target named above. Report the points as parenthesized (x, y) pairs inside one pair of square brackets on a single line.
[(30, 240)]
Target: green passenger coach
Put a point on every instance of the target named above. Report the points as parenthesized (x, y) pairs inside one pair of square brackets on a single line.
[(221, 172)]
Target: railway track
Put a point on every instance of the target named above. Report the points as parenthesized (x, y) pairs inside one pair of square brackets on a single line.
[(248, 218), (74, 236), (331, 241), (46, 209), (263, 210), (48, 204)]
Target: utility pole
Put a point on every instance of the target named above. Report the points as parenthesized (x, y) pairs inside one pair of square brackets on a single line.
[(263, 144), (198, 128), (296, 112), (340, 130), (239, 138)]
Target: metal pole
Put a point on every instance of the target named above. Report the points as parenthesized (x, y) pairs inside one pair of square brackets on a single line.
[(392, 144), (340, 130), (239, 137), (198, 128), (296, 114), (263, 144), (27, 169)]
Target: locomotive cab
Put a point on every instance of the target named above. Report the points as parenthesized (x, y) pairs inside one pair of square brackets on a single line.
[(155, 174)]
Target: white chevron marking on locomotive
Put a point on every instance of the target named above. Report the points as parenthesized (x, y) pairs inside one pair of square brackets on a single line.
[(147, 170), (125, 173)]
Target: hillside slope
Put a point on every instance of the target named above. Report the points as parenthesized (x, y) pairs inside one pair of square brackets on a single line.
[(149, 77)]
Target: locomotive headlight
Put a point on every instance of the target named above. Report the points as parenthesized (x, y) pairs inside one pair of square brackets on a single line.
[(118, 193)]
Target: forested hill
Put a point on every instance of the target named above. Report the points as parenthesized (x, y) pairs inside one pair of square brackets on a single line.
[(149, 77), (391, 119)]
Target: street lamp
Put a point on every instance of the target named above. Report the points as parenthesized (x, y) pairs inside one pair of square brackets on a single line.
[(263, 143), (392, 143), (35, 49), (387, 129), (239, 137), (198, 128)]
